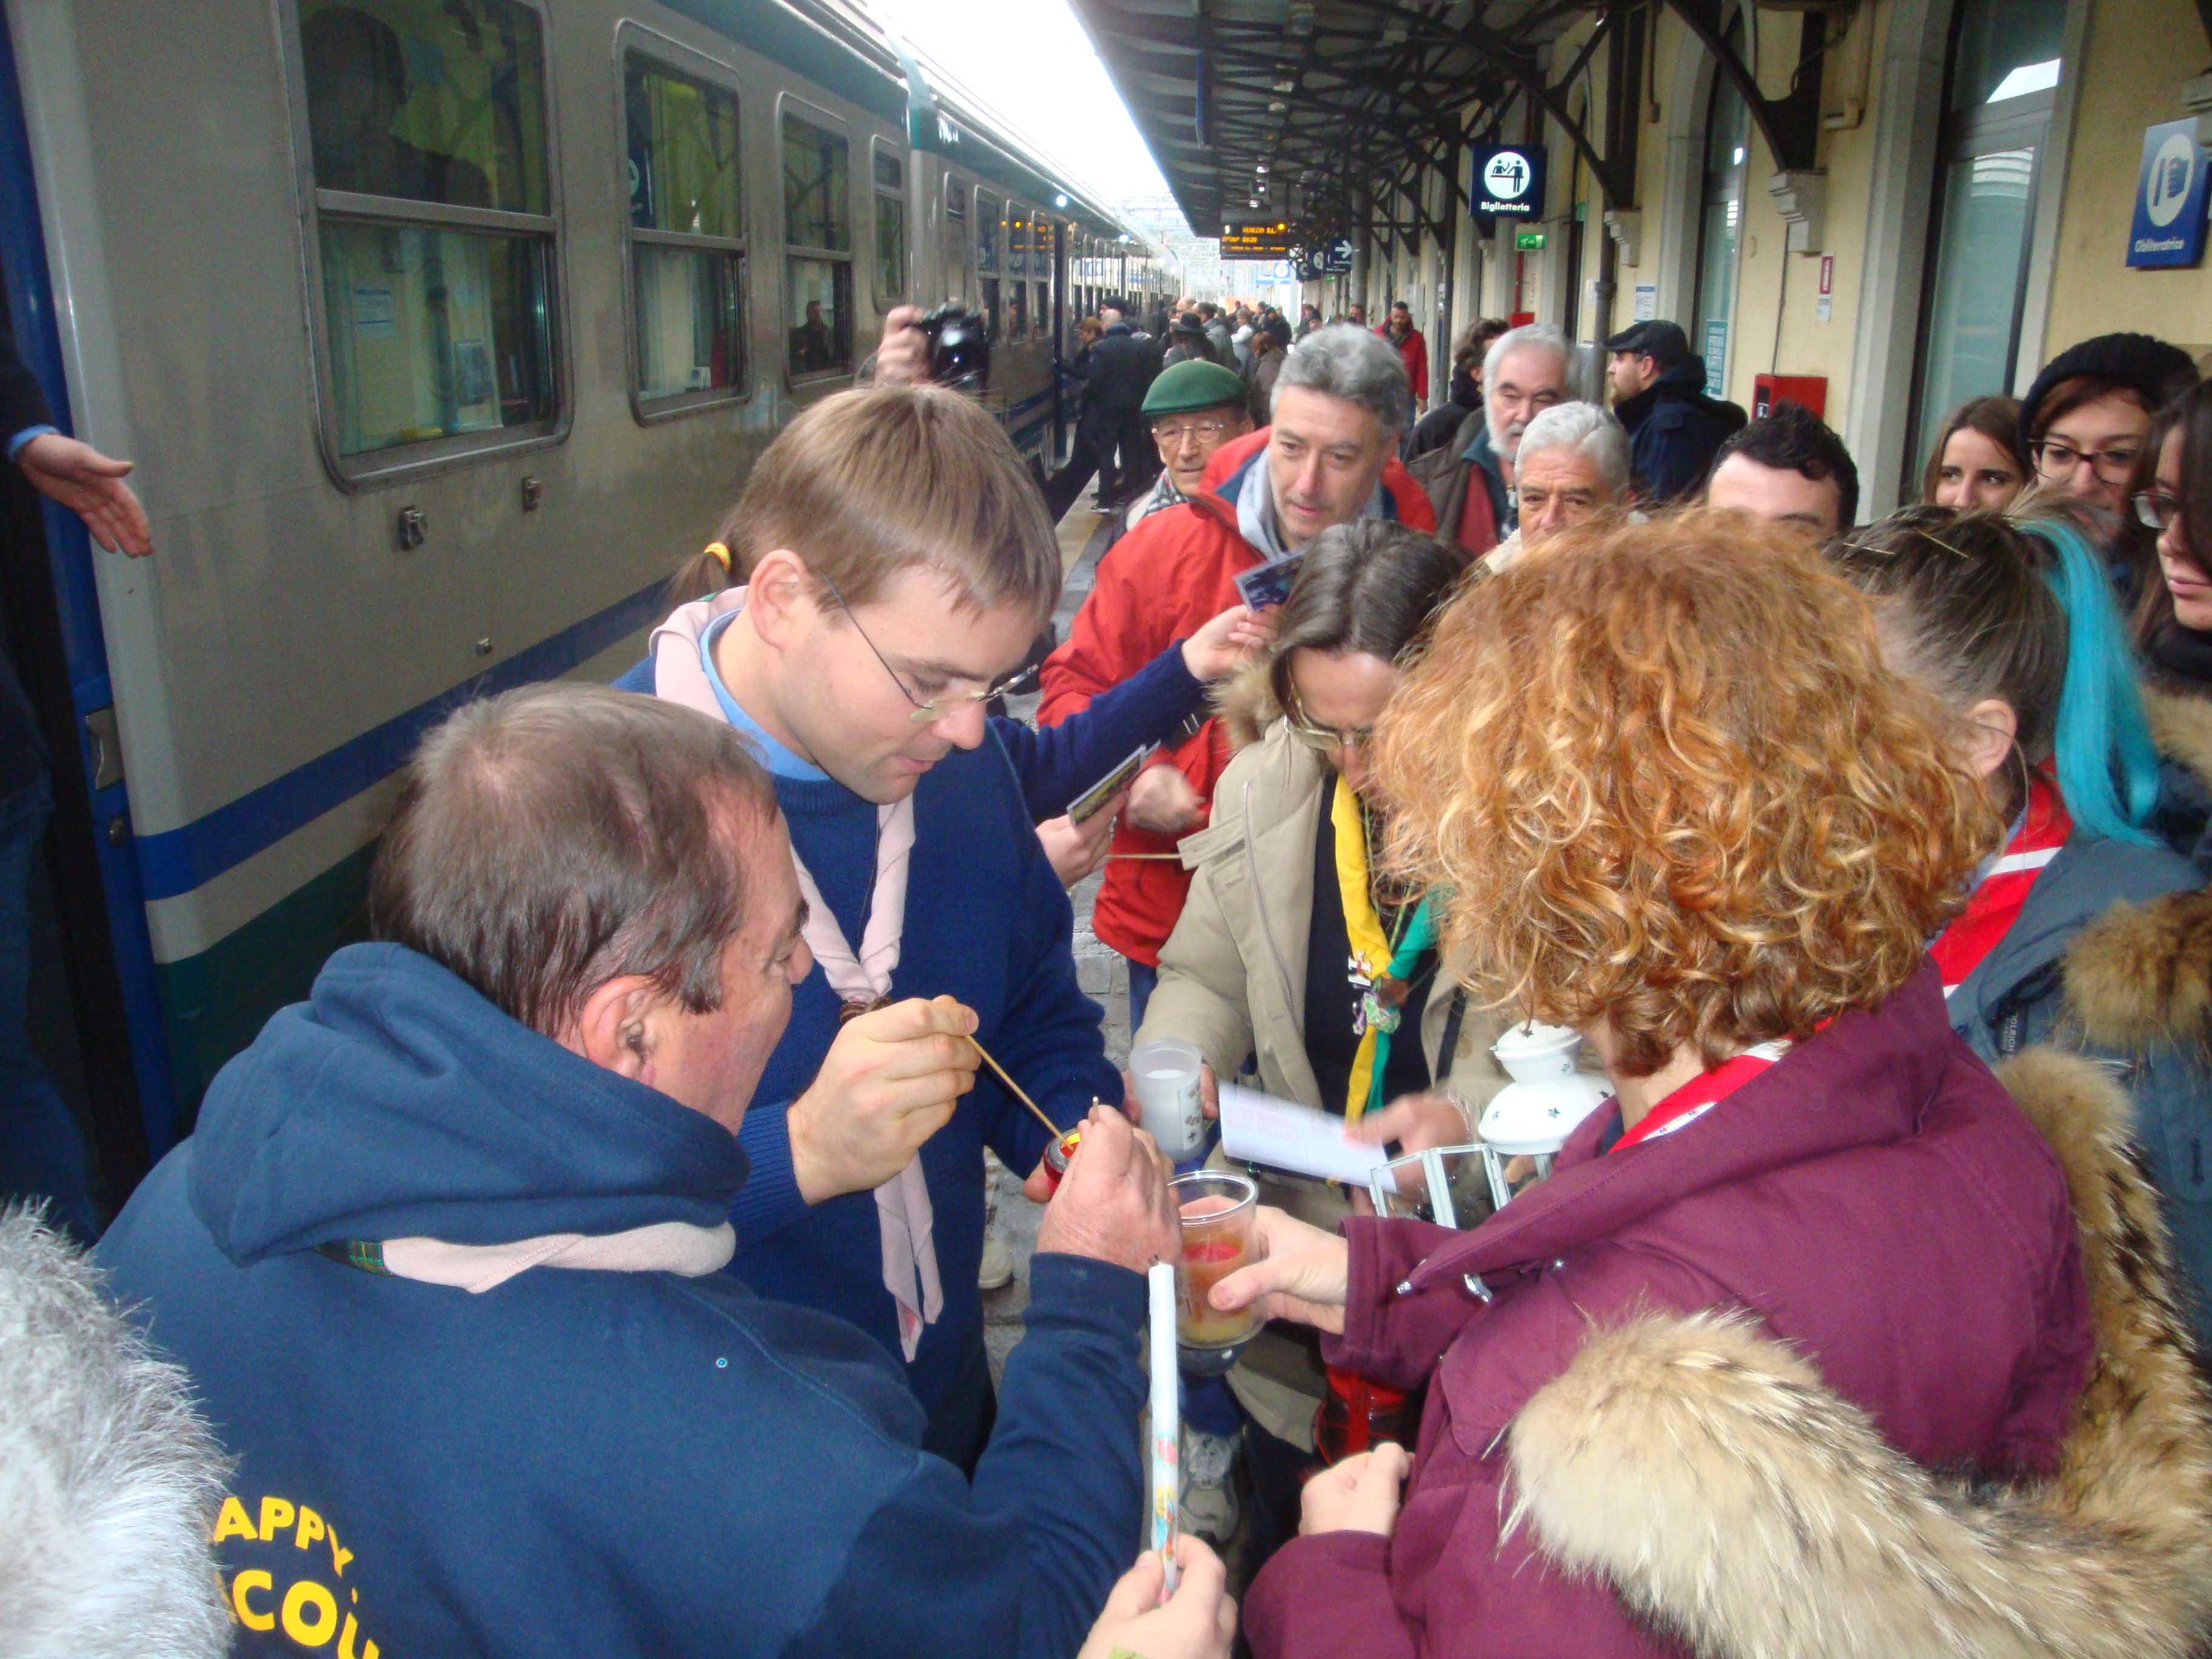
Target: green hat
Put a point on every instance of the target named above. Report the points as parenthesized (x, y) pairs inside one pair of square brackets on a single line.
[(1193, 384)]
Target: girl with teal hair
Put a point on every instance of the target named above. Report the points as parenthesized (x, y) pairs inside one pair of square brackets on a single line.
[(2080, 925)]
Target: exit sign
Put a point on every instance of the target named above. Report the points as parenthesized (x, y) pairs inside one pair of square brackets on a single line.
[(1529, 241)]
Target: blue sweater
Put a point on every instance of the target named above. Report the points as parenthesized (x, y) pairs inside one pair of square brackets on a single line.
[(1055, 764), (582, 1462), (987, 923)]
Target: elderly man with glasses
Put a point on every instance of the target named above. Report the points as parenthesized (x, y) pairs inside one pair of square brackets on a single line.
[(1470, 482), (1192, 409)]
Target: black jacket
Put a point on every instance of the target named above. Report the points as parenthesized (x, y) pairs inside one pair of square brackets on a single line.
[(1122, 364), (1674, 430), (22, 753), (1435, 429)]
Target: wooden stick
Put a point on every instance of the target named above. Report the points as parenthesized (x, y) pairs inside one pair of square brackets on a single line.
[(1057, 1131)]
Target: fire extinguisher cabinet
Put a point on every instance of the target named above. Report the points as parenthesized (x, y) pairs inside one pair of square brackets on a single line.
[(1807, 391)]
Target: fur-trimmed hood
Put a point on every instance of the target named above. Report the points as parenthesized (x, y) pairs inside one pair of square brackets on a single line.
[(1245, 704), (2141, 975), (2181, 726), (1707, 1473)]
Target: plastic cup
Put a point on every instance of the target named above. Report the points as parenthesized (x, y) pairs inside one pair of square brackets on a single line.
[(1165, 1073), (1220, 1213)]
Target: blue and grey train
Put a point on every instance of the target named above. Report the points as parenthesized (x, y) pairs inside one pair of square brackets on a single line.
[(438, 330)]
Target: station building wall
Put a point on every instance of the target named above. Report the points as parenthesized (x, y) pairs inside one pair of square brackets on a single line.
[(2124, 65)]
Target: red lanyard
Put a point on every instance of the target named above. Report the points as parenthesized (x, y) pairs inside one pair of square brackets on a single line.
[(1996, 903), (1701, 1094)]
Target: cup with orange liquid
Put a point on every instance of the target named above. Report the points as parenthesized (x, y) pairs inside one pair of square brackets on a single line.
[(1220, 1234)]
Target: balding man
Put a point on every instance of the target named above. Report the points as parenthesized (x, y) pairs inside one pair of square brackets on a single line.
[(443, 1258), (1573, 464), (1471, 480)]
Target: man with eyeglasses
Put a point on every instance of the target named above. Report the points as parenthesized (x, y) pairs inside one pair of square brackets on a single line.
[(1192, 408), (1328, 457), (2086, 419), (1470, 481), (898, 563)]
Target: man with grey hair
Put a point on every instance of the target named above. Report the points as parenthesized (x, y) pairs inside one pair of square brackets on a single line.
[(1328, 456), (109, 1480), (1471, 480), (443, 1258), (1572, 464)]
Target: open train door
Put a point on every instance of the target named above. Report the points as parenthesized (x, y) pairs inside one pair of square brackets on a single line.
[(96, 1028)]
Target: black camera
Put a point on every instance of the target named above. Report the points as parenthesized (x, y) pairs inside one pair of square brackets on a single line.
[(959, 348)]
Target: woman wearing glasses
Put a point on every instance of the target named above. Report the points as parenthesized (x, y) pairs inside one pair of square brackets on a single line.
[(2087, 417), (2075, 934), (1691, 1386), (1292, 949)]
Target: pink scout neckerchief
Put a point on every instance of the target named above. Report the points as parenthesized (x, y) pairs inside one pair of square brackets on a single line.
[(903, 1214)]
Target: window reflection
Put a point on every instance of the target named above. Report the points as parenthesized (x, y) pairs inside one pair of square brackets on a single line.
[(427, 102)]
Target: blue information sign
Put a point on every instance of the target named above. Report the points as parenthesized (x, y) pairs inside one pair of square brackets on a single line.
[(1508, 181), (2169, 217)]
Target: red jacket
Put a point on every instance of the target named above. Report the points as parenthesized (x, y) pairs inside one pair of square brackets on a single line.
[(1876, 1200), (1414, 352), (1160, 583)]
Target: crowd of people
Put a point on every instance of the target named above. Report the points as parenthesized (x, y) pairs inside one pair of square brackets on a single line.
[(595, 1261)]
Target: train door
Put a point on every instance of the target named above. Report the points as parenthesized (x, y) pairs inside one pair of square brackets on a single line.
[(71, 922), (1059, 309)]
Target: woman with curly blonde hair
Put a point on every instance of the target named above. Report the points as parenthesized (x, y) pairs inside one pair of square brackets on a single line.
[(1678, 803)]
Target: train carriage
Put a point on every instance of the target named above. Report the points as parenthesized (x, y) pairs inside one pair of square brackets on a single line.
[(438, 329)]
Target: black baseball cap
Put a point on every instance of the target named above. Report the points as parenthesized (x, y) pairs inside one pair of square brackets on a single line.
[(1663, 343)]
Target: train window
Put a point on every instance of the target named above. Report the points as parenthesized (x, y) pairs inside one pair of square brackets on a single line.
[(988, 212), (1017, 240), (1017, 310), (955, 241), (686, 238), (817, 232), (890, 225), (434, 226), (1044, 310)]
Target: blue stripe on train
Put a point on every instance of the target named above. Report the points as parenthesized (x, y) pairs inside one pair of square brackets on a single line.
[(174, 861)]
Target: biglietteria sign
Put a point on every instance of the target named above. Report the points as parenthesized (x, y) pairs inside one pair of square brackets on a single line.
[(1508, 181)]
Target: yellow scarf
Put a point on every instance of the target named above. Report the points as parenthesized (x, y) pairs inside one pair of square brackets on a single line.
[(1371, 946)]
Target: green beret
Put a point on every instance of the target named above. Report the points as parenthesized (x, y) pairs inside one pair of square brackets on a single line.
[(1194, 384)]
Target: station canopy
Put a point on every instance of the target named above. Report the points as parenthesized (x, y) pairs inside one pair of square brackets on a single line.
[(1324, 115)]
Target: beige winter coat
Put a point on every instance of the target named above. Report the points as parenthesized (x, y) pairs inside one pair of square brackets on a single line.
[(1233, 973), (1233, 982)]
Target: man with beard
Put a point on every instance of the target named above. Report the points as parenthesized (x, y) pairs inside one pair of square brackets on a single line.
[(1470, 481), (1659, 393)]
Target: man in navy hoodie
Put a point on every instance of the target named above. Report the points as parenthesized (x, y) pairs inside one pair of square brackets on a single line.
[(898, 563), (442, 1261)]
